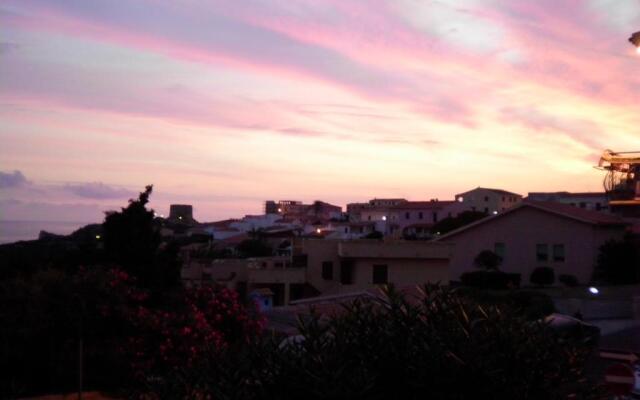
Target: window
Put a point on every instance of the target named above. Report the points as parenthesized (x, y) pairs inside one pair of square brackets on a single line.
[(503, 199), (327, 270), (558, 252), (369, 217), (420, 215), (346, 230), (583, 204), (407, 215), (598, 206), (498, 248), (486, 209), (346, 272), (486, 198), (380, 274), (542, 252), (435, 217)]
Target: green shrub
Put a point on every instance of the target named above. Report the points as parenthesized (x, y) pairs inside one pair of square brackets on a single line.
[(543, 276)]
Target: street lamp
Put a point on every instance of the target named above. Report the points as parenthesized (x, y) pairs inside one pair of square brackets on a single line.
[(635, 40)]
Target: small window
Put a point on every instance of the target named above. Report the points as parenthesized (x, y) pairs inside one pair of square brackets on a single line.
[(435, 217), (486, 209), (380, 274), (407, 215), (503, 199), (346, 230), (486, 198), (369, 217), (346, 272), (542, 252), (327, 270), (420, 215), (558, 252), (498, 248), (598, 207), (583, 204)]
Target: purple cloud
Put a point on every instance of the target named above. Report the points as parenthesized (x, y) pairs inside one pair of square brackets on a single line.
[(98, 191), (12, 179)]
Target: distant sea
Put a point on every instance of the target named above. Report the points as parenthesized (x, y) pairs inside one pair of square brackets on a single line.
[(14, 231)]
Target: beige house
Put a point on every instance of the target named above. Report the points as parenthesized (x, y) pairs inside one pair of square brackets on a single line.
[(342, 266), (286, 281), (491, 201), (536, 234)]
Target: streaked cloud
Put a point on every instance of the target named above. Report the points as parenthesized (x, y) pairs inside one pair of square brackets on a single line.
[(338, 99)]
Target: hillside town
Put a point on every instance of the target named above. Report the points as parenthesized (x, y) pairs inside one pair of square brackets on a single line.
[(317, 249)]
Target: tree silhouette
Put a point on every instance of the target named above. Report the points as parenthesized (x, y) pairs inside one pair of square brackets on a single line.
[(132, 240), (488, 260)]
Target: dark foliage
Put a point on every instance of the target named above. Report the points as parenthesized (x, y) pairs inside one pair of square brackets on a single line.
[(441, 345), (568, 280), (488, 260), (618, 262), (254, 248), (374, 235), (490, 280), (132, 240), (452, 223), (543, 276)]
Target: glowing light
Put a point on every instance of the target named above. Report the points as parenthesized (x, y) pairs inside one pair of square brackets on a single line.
[(179, 217), (638, 50), (495, 213), (460, 199), (279, 209), (384, 217), (594, 290), (98, 237), (318, 230)]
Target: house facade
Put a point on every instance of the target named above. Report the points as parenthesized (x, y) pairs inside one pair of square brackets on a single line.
[(536, 234), (597, 201), (490, 201), (343, 266)]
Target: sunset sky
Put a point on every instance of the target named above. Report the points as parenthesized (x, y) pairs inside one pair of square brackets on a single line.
[(223, 104)]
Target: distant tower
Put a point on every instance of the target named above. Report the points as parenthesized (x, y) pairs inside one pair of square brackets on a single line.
[(181, 213), (270, 207)]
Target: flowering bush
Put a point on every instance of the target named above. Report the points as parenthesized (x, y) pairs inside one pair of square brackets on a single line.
[(168, 342)]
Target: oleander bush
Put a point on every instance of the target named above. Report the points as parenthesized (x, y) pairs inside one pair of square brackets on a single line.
[(439, 345)]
